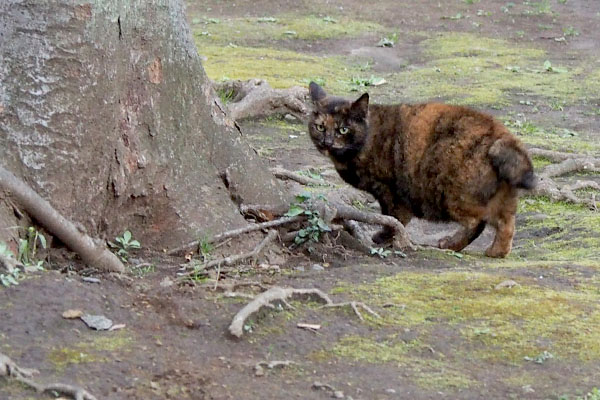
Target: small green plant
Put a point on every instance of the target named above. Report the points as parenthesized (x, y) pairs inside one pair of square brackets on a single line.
[(453, 17), (540, 358), (205, 248), (549, 68), (28, 247), (226, 95), (124, 244), (469, 2), (11, 277), (380, 252), (267, 19), (141, 270), (316, 225), (364, 82), (570, 31), (388, 41), (330, 20)]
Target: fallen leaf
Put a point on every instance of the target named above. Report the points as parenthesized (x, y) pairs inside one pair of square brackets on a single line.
[(116, 326), (72, 314)]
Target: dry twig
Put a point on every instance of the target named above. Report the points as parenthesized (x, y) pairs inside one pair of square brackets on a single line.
[(237, 232), (283, 173), (230, 260), (9, 369), (236, 328)]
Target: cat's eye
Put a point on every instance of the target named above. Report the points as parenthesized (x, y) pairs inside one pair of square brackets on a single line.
[(320, 128), (343, 130)]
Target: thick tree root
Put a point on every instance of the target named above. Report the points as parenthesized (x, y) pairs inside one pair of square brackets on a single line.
[(230, 260), (566, 163), (9, 369), (255, 98), (92, 254), (282, 295)]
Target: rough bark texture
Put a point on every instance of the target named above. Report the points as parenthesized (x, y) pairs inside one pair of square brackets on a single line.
[(105, 110)]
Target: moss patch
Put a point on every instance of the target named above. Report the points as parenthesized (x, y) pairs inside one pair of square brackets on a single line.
[(559, 231), (428, 373), (468, 69), (92, 349), (502, 325), (259, 30), (281, 68)]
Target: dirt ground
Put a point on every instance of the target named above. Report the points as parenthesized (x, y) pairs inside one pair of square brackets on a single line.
[(446, 330)]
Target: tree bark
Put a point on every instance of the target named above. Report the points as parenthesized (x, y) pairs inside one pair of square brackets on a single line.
[(105, 111)]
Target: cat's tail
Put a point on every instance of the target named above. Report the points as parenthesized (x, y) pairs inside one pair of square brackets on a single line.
[(512, 163)]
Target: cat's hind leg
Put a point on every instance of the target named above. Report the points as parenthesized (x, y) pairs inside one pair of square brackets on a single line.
[(501, 215), (463, 237)]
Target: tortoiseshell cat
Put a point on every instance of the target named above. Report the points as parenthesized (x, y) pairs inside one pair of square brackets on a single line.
[(434, 161)]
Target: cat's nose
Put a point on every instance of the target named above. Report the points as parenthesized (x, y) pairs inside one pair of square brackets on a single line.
[(327, 141)]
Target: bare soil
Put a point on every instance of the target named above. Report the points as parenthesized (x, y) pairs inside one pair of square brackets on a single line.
[(175, 344)]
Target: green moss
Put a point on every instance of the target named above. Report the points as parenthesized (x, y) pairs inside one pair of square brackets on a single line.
[(540, 162), (92, 349), (427, 373), (559, 139), (504, 324), (468, 69), (254, 30), (281, 68), (564, 232), (360, 348), (63, 356)]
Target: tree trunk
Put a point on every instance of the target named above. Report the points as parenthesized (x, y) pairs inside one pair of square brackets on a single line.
[(105, 111)]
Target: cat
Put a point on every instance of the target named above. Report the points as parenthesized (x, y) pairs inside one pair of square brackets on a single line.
[(434, 161)]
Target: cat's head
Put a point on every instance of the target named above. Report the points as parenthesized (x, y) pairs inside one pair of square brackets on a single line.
[(338, 127)]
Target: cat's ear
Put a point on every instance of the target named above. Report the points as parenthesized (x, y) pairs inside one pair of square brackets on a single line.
[(316, 92), (360, 107)]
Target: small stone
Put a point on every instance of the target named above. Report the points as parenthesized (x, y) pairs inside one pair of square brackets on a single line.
[(338, 394), (390, 391), (166, 282), (317, 267), (528, 389), (97, 322), (89, 279), (299, 268), (290, 117)]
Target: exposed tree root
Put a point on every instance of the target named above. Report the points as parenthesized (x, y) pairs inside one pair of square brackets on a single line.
[(283, 173), (237, 232), (567, 163), (256, 98), (93, 254), (10, 370), (230, 260), (282, 295)]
